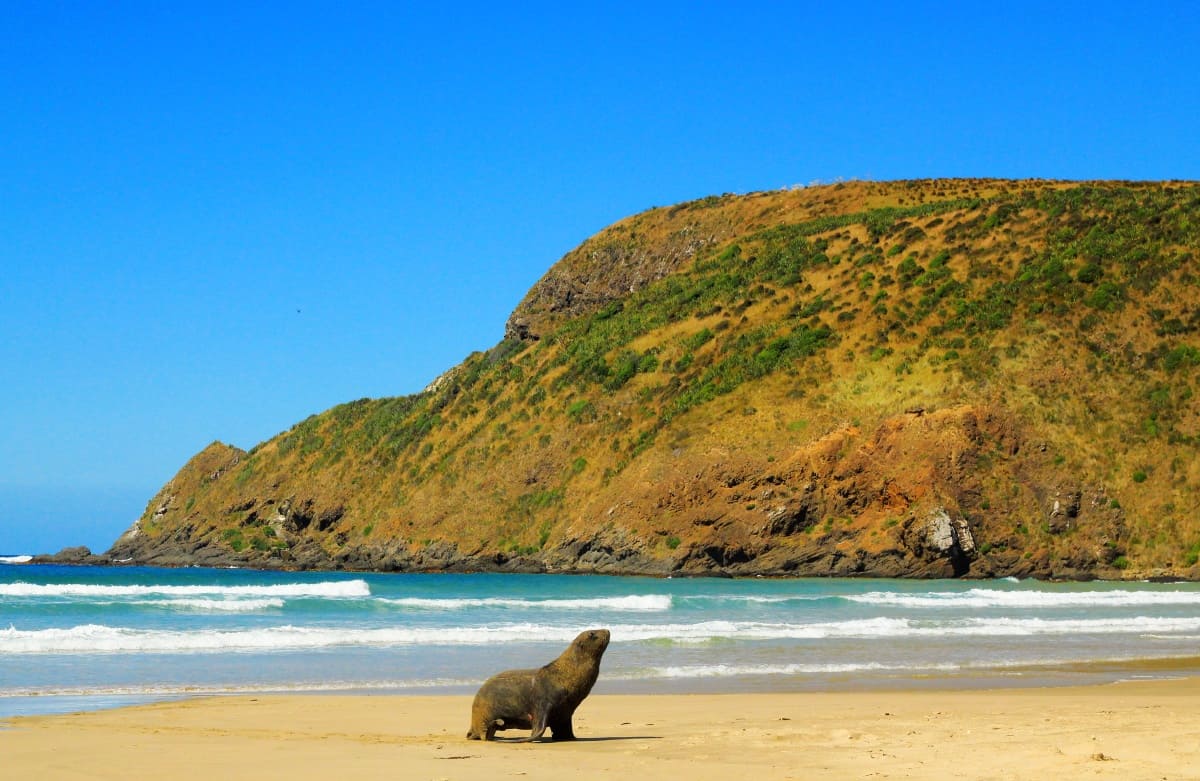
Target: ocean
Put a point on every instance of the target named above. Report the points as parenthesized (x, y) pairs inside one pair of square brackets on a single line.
[(77, 638)]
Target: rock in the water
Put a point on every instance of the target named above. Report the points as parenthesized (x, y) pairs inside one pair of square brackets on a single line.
[(79, 554)]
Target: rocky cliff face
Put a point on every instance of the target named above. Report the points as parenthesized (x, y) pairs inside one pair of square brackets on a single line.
[(915, 379), (904, 501)]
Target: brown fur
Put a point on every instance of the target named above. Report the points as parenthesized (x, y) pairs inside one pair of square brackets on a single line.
[(542, 698)]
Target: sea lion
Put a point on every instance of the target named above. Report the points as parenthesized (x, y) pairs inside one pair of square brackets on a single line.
[(541, 698)]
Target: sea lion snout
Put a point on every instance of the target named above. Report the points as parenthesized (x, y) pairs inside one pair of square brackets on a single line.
[(598, 638), (592, 642)]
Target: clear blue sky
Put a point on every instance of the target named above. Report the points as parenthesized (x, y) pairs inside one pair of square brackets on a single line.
[(217, 219)]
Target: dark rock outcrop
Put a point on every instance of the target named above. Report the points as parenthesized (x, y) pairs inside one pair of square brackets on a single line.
[(78, 554)]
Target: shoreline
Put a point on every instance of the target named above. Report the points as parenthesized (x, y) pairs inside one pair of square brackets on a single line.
[(17, 704), (1158, 575), (1130, 730)]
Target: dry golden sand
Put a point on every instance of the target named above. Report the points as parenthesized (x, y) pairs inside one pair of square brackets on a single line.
[(1143, 730)]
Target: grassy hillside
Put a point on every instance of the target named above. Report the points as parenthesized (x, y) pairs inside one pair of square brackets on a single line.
[(915, 378)]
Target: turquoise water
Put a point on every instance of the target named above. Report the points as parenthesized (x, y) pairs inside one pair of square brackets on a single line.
[(74, 637)]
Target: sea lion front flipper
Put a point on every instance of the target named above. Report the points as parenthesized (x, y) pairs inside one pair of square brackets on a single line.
[(539, 726), (561, 728)]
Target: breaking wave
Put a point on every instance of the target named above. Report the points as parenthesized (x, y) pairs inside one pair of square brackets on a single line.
[(96, 638), (325, 589), (636, 602), (215, 605), (987, 598)]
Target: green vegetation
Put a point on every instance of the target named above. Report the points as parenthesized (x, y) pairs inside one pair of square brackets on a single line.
[(235, 539), (581, 410)]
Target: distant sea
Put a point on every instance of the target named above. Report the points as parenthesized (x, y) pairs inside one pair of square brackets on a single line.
[(76, 638)]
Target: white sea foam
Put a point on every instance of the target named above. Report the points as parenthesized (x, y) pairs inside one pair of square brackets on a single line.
[(756, 599), (215, 605), (1000, 627), (882, 628), (325, 589), (94, 638), (740, 670), (635, 602), (15, 559), (992, 598), (159, 690), (914, 667), (1191, 638)]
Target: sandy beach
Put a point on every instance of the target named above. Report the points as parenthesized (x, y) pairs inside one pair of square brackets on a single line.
[(1139, 730)]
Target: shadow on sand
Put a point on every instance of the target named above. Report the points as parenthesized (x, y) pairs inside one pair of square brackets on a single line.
[(498, 739)]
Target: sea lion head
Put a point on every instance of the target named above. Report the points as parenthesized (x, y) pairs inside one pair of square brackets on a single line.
[(592, 642)]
